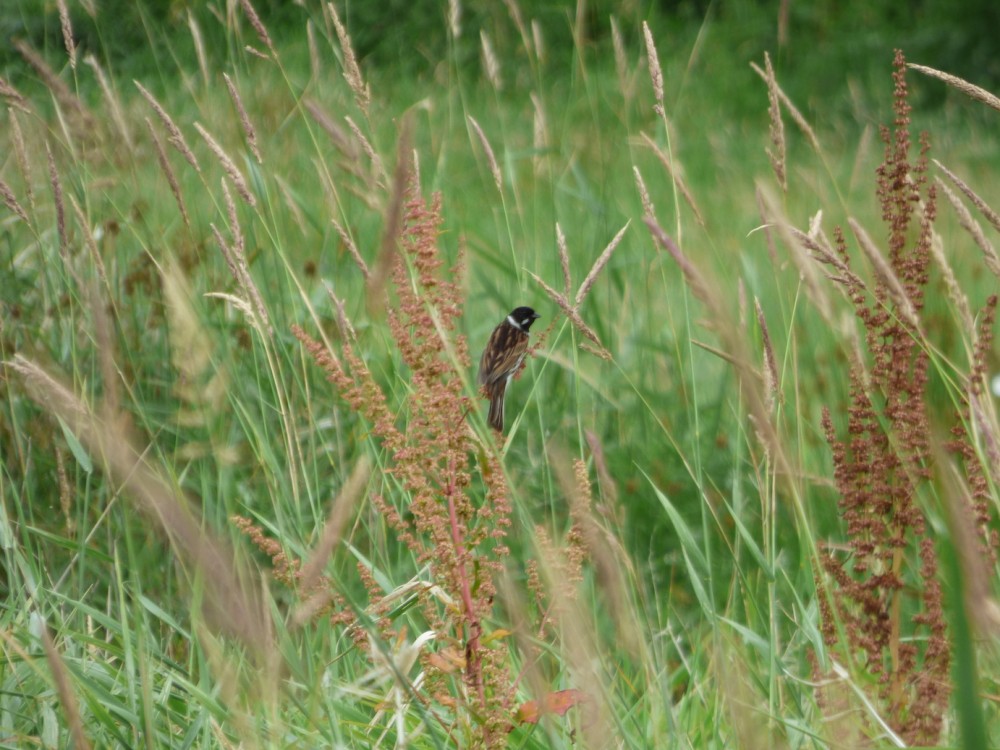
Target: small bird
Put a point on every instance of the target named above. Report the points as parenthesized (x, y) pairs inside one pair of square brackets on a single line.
[(502, 359)]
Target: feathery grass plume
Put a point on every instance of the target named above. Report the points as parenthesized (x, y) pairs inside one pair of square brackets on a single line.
[(14, 98), (792, 110), (340, 511), (603, 550), (199, 47), (168, 172), (10, 200), (515, 15), (883, 462), (258, 26), (65, 492), (394, 221), (655, 71), (114, 105), (954, 289), (563, 260), (970, 225), (336, 133), (490, 158), (538, 40), (352, 249), (977, 414), (648, 210), (572, 309), (540, 135), (200, 388), (64, 689), (771, 382), (460, 536), (969, 89), (248, 128), (777, 127), (676, 177), (490, 62), (599, 264), (352, 72), (81, 117), (67, 32), (991, 216), (232, 599), (315, 66), (89, 241), (236, 259), (381, 176), (455, 18), (57, 199), (239, 181), (175, 137), (621, 61)]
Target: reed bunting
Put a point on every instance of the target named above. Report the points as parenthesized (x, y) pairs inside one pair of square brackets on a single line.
[(502, 358)]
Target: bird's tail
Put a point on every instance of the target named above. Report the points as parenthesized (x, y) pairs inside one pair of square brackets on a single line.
[(496, 407)]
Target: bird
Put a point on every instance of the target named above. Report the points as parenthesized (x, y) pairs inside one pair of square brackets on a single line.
[(502, 358)]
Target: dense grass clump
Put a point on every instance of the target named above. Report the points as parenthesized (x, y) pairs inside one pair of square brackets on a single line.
[(747, 492)]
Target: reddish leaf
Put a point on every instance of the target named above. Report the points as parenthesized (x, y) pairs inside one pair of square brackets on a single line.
[(557, 703)]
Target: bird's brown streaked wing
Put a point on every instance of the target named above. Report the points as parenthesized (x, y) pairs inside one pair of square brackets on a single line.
[(503, 354)]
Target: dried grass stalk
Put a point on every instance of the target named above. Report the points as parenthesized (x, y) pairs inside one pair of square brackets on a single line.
[(563, 259), (232, 600), (199, 47), (336, 133), (490, 157), (791, 109), (258, 26), (490, 62), (248, 128), (771, 390), (970, 225), (676, 177), (648, 210), (315, 66), (89, 241), (352, 72), (10, 200), (168, 172), (655, 71), (62, 93), (228, 165), (21, 155), (175, 137), (777, 128), (991, 216), (599, 264), (455, 18), (114, 105), (64, 689), (540, 141), (381, 176), (67, 32), (340, 511), (352, 249), (14, 97), (57, 198), (969, 89)]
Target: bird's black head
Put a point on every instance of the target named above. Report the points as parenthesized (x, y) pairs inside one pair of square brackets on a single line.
[(523, 317)]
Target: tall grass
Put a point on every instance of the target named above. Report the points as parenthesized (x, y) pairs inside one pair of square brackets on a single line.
[(249, 495)]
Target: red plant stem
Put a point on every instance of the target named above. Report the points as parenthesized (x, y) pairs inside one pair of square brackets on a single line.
[(473, 666)]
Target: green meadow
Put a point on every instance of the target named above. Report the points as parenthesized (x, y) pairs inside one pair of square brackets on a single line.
[(250, 256)]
